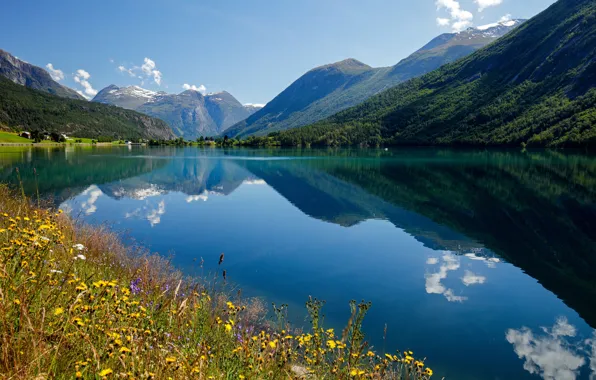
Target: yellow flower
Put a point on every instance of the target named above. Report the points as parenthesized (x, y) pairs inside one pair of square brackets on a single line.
[(370, 354), (17, 302), (241, 377), (124, 349), (273, 344), (429, 372), (58, 311), (170, 360), (331, 344), (228, 327), (79, 375), (106, 372)]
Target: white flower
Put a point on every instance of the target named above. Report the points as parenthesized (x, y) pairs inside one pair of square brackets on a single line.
[(79, 247), (80, 257), (55, 271)]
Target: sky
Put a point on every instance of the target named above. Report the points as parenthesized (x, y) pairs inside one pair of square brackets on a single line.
[(252, 49)]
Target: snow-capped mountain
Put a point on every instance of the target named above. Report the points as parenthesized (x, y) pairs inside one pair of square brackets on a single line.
[(131, 97), (190, 114)]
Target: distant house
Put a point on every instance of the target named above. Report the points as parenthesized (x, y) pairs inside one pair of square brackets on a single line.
[(26, 135), (128, 142)]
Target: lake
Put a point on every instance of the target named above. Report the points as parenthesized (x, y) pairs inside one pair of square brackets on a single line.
[(482, 261)]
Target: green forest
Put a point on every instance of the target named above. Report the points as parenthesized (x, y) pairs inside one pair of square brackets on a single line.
[(535, 86), (22, 108)]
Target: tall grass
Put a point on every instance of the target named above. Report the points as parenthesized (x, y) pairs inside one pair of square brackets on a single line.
[(77, 303)]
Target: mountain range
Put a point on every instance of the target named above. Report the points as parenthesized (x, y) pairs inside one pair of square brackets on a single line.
[(536, 85), (328, 89), (190, 114), (31, 100), (23, 73)]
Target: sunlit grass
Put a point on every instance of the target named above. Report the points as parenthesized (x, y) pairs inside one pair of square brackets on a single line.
[(10, 137), (76, 303)]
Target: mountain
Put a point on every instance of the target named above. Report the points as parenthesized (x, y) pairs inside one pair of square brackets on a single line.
[(189, 114), (34, 77), (28, 109), (536, 85), (329, 89), (131, 97)]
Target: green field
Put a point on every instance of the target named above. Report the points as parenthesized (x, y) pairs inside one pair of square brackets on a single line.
[(10, 137)]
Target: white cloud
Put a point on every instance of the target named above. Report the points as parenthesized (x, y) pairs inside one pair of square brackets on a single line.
[(89, 205), (56, 74), (150, 69), (130, 72), (260, 105), (82, 78), (204, 196), (202, 89), (550, 356), (254, 182), (470, 278), (433, 280), (432, 261), (443, 21), (458, 26), (483, 4), (459, 18), (593, 356), (506, 18), (154, 216)]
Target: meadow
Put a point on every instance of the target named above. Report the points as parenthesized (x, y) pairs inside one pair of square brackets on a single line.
[(75, 302)]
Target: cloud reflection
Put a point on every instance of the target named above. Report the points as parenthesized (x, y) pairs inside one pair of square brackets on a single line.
[(550, 355), (154, 216), (470, 278), (94, 193), (433, 280)]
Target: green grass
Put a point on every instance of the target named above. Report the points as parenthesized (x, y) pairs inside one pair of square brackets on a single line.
[(10, 137)]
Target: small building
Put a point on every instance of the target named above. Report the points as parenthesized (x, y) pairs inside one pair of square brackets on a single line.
[(26, 135)]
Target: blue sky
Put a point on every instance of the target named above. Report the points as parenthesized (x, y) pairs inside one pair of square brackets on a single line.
[(253, 49)]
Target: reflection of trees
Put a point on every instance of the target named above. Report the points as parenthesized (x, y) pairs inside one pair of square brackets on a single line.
[(64, 172), (535, 210)]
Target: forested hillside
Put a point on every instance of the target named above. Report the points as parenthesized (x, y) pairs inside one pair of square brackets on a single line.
[(534, 86)]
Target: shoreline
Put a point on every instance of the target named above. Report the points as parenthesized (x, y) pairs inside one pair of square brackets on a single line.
[(62, 144)]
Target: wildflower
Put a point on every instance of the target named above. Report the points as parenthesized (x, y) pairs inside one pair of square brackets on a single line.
[(17, 302), (273, 344), (370, 354), (228, 327), (80, 257), (79, 247), (106, 372), (331, 344), (429, 372), (79, 375), (170, 360), (58, 311), (124, 350)]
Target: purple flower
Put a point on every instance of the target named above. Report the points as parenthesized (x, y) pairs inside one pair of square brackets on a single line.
[(134, 286)]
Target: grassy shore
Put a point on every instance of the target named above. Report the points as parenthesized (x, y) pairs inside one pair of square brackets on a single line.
[(77, 303)]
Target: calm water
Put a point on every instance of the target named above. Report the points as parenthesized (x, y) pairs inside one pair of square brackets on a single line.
[(484, 262)]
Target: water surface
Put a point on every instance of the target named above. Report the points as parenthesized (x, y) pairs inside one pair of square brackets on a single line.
[(481, 261)]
